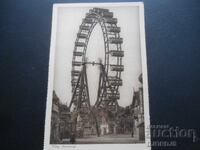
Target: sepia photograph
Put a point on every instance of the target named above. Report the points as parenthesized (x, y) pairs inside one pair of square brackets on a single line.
[(98, 87)]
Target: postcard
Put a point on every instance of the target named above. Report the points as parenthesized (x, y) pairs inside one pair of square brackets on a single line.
[(97, 83)]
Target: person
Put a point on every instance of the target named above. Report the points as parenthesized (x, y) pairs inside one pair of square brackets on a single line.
[(72, 138), (132, 133)]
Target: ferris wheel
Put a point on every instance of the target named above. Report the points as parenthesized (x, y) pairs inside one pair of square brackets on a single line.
[(111, 66)]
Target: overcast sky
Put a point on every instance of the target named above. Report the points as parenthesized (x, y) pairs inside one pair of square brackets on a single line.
[(68, 22)]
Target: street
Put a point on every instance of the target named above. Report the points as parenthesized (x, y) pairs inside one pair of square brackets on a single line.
[(105, 139)]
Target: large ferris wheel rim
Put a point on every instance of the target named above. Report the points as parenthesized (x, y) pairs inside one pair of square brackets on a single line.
[(104, 18)]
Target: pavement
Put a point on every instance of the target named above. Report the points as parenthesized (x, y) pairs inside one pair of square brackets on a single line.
[(105, 139)]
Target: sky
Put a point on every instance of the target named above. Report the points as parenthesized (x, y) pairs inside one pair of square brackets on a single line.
[(68, 22)]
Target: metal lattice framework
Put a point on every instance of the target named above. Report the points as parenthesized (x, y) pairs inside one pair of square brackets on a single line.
[(110, 74)]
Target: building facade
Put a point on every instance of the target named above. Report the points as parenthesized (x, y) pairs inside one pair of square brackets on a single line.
[(138, 113), (55, 120)]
